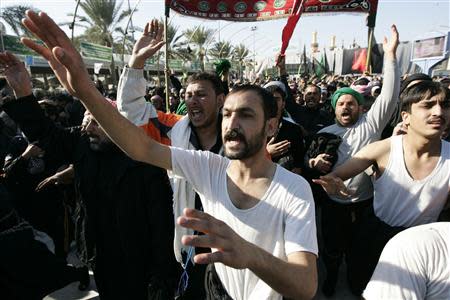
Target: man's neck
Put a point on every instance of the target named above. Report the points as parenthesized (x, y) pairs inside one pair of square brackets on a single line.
[(207, 136), (421, 146), (257, 166)]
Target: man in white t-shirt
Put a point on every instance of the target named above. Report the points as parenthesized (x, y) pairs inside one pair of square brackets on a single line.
[(275, 252), (411, 173), (415, 264)]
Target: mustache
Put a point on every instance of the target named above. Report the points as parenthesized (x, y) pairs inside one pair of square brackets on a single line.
[(438, 119), (233, 134)]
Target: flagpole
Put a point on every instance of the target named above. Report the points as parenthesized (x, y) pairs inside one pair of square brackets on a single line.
[(369, 50), (166, 47), (371, 18)]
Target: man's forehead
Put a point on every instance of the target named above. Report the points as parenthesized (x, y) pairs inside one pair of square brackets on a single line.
[(312, 89), (439, 97), (242, 100), (199, 85), (347, 97)]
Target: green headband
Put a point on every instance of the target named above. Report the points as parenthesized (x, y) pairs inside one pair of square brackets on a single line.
[(346, 91)]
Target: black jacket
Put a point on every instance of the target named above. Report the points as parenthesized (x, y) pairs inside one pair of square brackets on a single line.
[(124, 216)]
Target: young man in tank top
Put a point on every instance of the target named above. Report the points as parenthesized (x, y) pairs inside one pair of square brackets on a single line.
[(411, 172)]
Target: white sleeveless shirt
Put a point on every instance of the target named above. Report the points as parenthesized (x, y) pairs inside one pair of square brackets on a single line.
[(399, 200)]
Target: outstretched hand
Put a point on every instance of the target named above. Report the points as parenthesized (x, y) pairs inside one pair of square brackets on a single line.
[(390, 46), (232, 250), (147, 45), (333, 185), (16, 74), (61, 55)]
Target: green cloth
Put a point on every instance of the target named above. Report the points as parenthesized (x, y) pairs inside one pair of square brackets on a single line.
[(346, 91), (181, 109), (222, 66)]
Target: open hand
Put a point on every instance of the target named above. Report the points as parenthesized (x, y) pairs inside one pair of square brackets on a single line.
[(16, 74), (147, 45), (390, 46), (333, 185), (232, 250), (278, 149), (321, 163), (61, 55), (32, 151)]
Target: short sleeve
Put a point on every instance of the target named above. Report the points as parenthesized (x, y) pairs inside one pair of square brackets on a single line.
[(400, 273), (300, 232)]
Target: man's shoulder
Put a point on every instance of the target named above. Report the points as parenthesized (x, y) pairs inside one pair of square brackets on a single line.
[(333, 128), (293, 183)]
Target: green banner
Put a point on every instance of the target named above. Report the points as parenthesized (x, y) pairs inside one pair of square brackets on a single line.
[(175, 64), (13, 44), (99, 52), (150, 61)]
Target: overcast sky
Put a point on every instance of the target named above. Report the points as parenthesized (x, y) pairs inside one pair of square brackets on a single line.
[(413, 18)]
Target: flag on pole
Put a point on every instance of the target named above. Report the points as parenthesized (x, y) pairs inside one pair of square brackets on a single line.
[(288, 29)]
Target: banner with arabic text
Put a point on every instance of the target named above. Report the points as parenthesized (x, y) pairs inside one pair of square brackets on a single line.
[(260, 10)]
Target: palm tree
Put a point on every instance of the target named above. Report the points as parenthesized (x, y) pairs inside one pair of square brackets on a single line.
[(201, 37), (13, 15), (240, 53), (102, 19), (221, 50), (177, 47)]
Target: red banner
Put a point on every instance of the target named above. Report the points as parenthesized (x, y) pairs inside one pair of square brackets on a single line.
[(259, 10)]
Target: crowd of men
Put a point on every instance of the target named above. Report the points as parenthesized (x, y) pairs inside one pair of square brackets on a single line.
[(218, 196)]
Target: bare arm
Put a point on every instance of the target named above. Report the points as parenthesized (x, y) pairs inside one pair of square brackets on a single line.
[(333, 183), (295, 278), (68, 66)]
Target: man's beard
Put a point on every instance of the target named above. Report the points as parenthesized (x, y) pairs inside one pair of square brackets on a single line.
[(99, 145), (250, 148)]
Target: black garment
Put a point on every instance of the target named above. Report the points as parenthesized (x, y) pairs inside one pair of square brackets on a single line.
[(128, 225), (44, 210), (340, 222), (371, 236), (312, 120), (28, 270), (293, 158), (214, 287)]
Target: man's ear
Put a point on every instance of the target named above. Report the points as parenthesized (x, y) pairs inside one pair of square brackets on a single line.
[(220, 100), (272, 126), (405, 117)]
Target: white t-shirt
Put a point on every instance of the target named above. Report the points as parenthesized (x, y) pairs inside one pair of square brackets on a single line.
[(281, 223), (399, 200), (415, 264)]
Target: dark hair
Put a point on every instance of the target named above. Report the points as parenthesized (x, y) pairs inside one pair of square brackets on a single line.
[(268, 101), (313, 86), (273, 88), (361, 81), (205, 76), (420, 91)]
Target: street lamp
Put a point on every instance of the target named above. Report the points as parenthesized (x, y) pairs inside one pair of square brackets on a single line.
[(253, 29), (2, 30)]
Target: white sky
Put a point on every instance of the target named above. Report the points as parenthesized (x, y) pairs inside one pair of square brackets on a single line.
[(412, 17)]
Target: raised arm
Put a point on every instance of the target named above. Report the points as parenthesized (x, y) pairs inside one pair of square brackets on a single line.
[(385, 104), (27, 113), (69, 67), (132, 84)]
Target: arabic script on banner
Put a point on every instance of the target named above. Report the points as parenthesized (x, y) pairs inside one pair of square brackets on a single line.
[(251, 10)]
